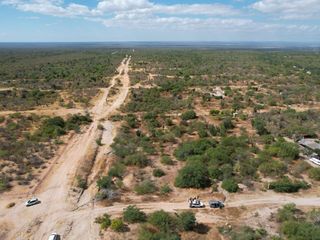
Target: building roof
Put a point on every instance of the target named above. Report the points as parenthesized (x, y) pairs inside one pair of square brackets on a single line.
[(310, 143)]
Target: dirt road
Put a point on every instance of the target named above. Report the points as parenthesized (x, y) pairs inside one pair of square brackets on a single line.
[(54, 190)]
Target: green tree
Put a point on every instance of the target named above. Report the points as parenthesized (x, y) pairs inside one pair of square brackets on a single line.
[(132, 214), (188, 115), (104, 221), (187, 220), (230, 185), (117, 225), (163, 221), (104, 182), (193, 175)]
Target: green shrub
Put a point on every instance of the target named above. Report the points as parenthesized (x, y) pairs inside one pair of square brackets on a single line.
[(147, 232), (104, 182), (187, 221), (132, 214), (188, 115), (260, 125), (213, 130), (117, 225), (215, 173), (137, 159), (132, 120), (52, 128), (193, 175), (79, 119), (81, 182), (165, 189), (248, 168), (4, 184), (314, 173), (214, 112), (145, 187), (227, 123), (117, 170), (296, 230), (163, 221), (283, 149), (287, 185), (197, 147), (98, 142), (230, 185), (104, 221), (247, 233), (158, 172), (273, 168), (166, 160), (286, 213)]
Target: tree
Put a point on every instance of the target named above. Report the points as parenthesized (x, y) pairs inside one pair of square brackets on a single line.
[(193, 175), (163, 221), (158, 172), (286, 213), (286, 185), (117, 225), (104, 182), (227, 123), (273, 168), (137, 159), (187, 220), (104, 221), (190, 148), (230, 185), (188, 115), (132, 214), (260, 125)]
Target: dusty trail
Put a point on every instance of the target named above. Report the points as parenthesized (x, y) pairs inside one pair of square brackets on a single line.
[(37, 222), (49, 112)]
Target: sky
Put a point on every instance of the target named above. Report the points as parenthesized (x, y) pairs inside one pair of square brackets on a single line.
[(155, 20)]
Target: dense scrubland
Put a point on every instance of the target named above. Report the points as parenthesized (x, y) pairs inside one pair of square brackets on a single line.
[(33, 79), (176, 134), (28, 142)]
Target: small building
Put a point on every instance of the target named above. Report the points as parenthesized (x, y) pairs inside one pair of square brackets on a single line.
[(310, 143)]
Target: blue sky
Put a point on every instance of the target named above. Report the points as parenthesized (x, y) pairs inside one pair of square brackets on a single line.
[(156, 20)]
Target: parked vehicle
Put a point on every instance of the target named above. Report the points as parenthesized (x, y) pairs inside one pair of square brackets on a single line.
[(32, 201), (216, 204), (54, 236), (195, 203), (315, 159)]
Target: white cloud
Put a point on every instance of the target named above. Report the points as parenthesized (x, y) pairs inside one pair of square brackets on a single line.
[(49, 7), (122, 5), (57, 8), (290, 9), (145, 14)]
